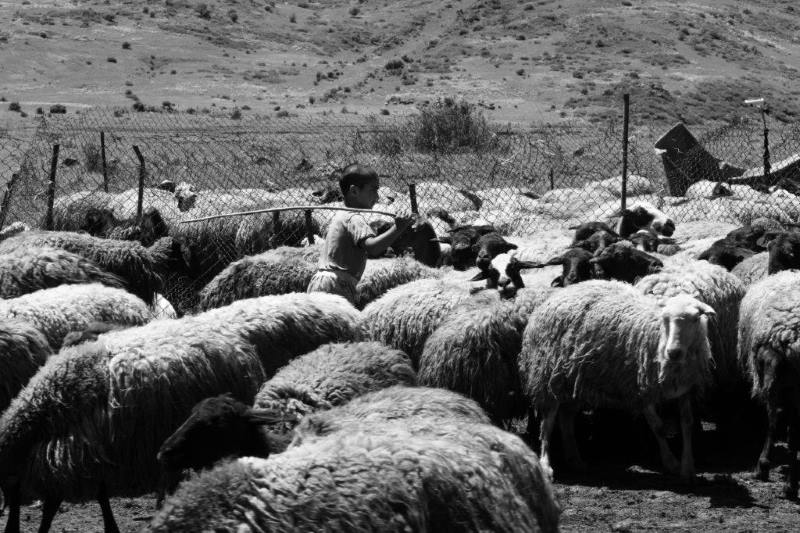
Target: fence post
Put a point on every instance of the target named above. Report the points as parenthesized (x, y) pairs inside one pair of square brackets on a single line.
[(625, 119), (51, 188), (140, 197), (103, 158), (7, 197), (552, 179), (309, 227), (276, 222), (412, 194)]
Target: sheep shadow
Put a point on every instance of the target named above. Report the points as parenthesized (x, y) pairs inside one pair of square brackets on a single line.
[(722, 490)]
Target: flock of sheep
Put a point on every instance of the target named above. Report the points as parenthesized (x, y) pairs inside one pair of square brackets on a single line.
[(266, 408)]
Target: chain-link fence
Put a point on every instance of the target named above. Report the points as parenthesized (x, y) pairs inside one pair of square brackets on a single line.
[(520, 179)]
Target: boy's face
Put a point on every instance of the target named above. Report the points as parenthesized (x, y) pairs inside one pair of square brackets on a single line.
[(364, 197)]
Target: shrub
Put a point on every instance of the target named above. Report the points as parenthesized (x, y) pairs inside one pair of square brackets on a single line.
[(112, 60), (126, 45), (394, 64), (354, 11), (293, 18), (203, 11), (14, 106), (233, 15), (237, 114), (93, 158), (447, 125), (56, 109)]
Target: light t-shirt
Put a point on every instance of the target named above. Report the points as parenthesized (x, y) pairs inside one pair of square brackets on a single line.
[(344, 244)]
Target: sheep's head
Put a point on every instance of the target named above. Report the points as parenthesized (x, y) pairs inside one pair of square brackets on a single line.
[(597, 240), (462, 242), (490, 274), (647, 240), (217, 427), (99, 221), (684, 353), (622, 262), (784, 252), (644, 215), (725, 254), (490, 246), (186, 196)]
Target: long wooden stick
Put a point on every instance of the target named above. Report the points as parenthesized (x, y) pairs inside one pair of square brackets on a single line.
[(289, 208)]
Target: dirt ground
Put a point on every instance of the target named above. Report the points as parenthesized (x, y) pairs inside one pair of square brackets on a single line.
[(623, 490)]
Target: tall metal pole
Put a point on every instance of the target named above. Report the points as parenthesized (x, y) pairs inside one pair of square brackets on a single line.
[(625, 119)]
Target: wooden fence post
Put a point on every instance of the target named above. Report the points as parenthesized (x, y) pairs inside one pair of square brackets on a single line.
[(7, 197), (103, 158), (625, 119), (142, 174), (51, 188)]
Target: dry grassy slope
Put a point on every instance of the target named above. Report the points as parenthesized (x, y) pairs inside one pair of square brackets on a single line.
[(540, 60)]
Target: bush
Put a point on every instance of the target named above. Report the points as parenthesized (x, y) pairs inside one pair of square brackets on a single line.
[(236, 115), (203, 11), (126, 45), (14, 106), (354, 11), (394, 64), (93, 157), (447, 125), (57, 109)]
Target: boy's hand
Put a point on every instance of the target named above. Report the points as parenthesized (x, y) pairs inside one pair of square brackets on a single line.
[(403, 221)]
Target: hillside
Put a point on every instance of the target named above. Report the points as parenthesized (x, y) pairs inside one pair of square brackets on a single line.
[(543, 60)]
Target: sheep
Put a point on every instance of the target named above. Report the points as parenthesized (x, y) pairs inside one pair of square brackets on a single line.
[(644, 215), (331, 375), (784, 251), (89, 333), (576, 266), (768, 340), (599, 240), (90, 422), (752, 269), (405, 316), (716, 287), (140, 267), (587, 229), (23, 349), (395, 403), (454, 477), (33, 268), (277, 271), (604, 343), (474, 352), (66, 308), (622, 262), (725, 254), (381, 275), (462, 240), (419, 238)]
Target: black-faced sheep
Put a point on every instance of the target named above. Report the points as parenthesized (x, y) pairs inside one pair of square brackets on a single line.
[(90, 422), (644, 215), (329, 376), (462, 241), (471, 478), (576, 267), (624, 263), (603, 343), (769, 335), (725, 254), (23, 349), (419, 240)]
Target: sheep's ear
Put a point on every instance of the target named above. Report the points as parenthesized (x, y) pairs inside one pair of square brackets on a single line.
[(706, 309), (529, 264), (461, 246), (666, 240), (557, 282), (447, 239), (557, 260), (481, 275), (767, 237)]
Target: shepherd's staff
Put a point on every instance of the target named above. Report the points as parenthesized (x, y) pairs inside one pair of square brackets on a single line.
[(289, 208)]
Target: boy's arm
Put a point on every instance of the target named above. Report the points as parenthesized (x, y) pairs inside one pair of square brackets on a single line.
[(378, 244)]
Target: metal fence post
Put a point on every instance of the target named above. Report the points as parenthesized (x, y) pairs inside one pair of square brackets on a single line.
[(51, 188), (309, 227), (412, 194), (103, 159), (142, 173), (625, 119)]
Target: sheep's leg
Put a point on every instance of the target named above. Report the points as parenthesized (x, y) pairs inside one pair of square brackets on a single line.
[(768, 362), (14, 498), (657, 426), (687, 423), (50, 507), (790, 490), (109, 523), (545, 434), (566, 423)]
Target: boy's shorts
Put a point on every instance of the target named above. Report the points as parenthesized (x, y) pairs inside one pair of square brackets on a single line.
[(334, 282)]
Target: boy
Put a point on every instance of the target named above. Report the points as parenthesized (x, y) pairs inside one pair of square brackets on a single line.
[(350, 238)]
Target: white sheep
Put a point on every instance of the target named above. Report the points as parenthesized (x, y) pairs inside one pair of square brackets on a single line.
[(453, 476), (95, 414), (718, 288), (603, 343), (769, 336), (60, 310)]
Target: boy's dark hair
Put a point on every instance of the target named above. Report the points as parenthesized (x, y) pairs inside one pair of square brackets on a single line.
[(355, 174)]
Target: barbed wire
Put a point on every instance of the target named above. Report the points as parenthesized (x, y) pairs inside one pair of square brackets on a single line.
[(522, 179)]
